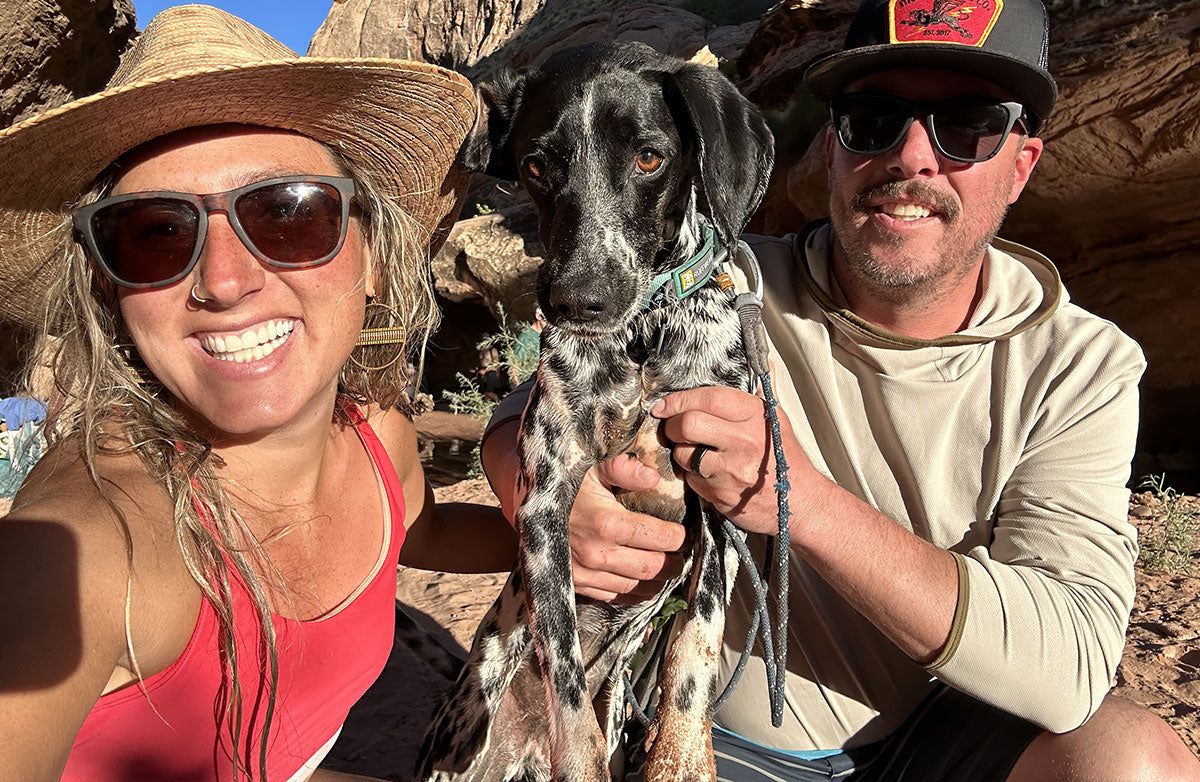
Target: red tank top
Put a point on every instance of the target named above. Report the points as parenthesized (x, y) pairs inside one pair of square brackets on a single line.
[(325, 665)]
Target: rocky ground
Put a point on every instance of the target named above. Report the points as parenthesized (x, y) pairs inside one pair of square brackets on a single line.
[(1160, 667)]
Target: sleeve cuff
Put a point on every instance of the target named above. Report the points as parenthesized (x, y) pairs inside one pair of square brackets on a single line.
[(960, 616)]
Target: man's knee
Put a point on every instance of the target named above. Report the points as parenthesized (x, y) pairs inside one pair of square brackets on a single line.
[(1121, 741)]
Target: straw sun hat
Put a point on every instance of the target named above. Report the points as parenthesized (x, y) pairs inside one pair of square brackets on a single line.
[(196, 65)]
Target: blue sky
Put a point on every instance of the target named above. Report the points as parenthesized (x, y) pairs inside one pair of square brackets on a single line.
[(291, 21)]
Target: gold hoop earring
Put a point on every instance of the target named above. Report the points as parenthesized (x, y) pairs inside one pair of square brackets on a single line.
[(137, 367), (381, 335)]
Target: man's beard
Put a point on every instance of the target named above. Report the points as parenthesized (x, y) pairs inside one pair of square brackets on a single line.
[(894, 280)]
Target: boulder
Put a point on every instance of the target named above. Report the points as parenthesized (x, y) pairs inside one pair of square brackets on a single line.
[(54, 52), (728, 41), (492, 259), (451, 33)]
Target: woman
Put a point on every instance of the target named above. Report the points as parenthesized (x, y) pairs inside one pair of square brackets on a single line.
[(197, 581)]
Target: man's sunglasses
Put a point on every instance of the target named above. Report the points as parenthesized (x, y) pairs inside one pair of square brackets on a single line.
[(152, 239), (966, 130)]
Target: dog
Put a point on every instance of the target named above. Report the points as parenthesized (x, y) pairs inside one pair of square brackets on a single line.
[(622, 150)]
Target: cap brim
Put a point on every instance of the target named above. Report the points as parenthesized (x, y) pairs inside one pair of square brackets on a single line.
[(402, 122), (1034, 87)]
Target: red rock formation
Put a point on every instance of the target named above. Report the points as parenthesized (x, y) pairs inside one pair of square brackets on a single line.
[(54, 52), (451, 33)]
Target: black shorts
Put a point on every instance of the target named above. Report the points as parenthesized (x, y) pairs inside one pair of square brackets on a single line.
[(951, 737)]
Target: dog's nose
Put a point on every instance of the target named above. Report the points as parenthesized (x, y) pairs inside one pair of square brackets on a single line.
[(578, 306)]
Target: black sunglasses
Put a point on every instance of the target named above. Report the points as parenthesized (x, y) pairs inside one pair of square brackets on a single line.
[(966, 130), (152, 239)]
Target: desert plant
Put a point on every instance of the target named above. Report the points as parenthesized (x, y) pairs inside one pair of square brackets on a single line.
[(469, 398), (518, 365), (1169, 545)]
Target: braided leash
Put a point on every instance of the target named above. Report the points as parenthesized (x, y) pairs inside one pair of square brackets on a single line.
[(754, 340), (774, 640)]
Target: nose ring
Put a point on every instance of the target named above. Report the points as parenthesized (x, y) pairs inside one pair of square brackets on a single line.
[(197, 297)]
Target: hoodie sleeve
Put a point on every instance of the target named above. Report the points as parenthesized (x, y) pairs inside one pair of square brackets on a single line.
[(1043, 608)]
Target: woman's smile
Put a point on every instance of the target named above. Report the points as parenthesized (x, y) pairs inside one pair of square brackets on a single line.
[(252, 344)]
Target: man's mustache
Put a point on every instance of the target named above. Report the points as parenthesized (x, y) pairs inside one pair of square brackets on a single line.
[(910, 190)]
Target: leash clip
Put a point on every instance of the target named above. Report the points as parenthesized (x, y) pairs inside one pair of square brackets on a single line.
[(749, 309)]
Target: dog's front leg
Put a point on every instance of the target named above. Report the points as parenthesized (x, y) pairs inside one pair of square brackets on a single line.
[(553, 464), (682, 729)]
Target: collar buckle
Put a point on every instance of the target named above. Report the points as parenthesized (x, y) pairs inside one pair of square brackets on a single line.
[(691, 275)]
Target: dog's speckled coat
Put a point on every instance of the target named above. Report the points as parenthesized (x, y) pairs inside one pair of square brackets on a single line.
[(581, 131)]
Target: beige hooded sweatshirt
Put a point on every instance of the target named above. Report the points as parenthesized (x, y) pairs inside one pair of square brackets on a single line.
[(1008, 444)]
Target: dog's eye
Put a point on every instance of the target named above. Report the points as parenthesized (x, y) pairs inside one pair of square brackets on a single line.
[(648, 161), (535, 166)]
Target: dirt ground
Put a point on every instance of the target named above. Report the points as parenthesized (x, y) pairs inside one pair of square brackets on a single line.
[(1160, 667)]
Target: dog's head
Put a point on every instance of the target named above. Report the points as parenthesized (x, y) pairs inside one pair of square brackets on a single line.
[(618, 146)]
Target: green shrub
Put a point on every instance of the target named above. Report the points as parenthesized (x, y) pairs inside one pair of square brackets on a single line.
[(469, 398), (1169, 546)]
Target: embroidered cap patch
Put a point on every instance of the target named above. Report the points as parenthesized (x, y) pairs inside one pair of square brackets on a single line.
[(965, 22)]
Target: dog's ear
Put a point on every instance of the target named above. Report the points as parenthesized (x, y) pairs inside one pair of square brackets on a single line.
[(486, 147), (735, 148)]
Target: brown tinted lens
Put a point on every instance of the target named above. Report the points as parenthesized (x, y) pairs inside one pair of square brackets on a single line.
[(292, 222), (146, 241)]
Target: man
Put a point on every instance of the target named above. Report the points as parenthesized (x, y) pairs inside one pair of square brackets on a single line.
[(958, 435)]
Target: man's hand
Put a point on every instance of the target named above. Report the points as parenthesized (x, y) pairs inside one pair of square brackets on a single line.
[(615, 554), (737, 474), (618, 555)]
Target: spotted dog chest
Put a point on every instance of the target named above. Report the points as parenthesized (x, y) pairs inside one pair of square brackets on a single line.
[(665, 351)]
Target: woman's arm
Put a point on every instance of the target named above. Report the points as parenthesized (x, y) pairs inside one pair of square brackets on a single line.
[(455, 537), (62, 593)]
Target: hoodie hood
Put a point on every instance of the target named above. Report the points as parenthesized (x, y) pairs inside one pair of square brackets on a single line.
[(1021, 289)]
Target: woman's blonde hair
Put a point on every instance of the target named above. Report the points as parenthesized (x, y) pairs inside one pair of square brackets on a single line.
[(101, 398)]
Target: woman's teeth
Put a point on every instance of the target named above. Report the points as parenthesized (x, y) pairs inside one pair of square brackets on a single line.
[(252, 344)]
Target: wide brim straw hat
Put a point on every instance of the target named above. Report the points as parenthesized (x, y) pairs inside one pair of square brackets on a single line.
[(401, 122)]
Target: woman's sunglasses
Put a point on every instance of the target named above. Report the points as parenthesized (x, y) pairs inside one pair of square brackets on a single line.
[(966, 130), (152, 239)]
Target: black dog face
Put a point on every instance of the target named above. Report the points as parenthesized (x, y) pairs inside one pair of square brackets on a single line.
[(618, 146)]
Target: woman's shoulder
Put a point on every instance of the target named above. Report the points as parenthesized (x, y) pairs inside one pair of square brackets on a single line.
[(67, 543), (63, 484), (393, 428), (101, 515)]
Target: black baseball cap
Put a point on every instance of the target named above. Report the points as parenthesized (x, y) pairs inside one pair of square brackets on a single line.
[(1003, 41)]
